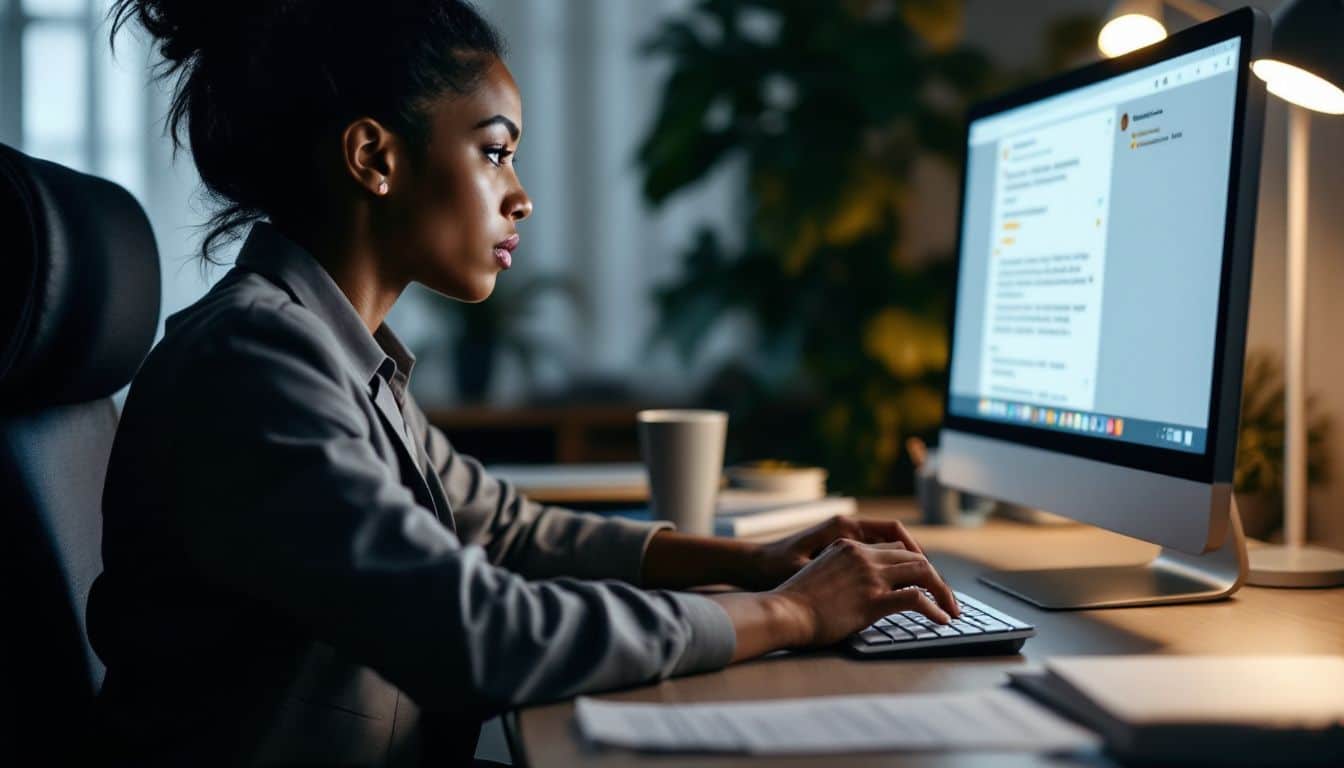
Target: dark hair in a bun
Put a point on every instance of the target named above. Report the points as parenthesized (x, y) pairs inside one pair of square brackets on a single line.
[(258, 82)]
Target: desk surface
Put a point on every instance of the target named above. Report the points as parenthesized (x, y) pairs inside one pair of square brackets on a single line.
[(1255, 620)]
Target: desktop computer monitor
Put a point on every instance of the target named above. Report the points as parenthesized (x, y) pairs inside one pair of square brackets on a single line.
[(1099, 322)]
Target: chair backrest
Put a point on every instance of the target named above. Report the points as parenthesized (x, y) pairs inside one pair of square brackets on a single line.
[(79, 304)]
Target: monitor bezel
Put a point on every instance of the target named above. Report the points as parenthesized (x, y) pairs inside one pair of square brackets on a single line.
[(1217, 462)]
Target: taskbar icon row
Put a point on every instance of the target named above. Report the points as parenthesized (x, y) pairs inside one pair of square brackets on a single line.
[(1040, 416)]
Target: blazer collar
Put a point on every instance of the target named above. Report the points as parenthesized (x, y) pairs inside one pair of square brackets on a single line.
[(284, 262)]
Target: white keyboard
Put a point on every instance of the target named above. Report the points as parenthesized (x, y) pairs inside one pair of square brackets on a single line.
[(911, 631)]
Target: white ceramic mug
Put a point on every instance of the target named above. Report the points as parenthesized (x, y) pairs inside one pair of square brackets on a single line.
[(683, 451)]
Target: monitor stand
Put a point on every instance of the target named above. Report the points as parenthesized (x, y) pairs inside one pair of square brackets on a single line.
[(1171, 577)]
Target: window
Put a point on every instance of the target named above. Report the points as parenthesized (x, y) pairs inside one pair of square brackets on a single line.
[(65, 98)]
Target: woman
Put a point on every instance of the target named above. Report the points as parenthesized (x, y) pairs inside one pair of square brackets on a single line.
[(299, 568)]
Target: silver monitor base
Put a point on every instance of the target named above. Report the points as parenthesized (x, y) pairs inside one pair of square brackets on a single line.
[(1171, 577)]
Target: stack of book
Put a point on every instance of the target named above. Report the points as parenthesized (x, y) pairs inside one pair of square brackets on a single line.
[(742, 512), (746, 513)]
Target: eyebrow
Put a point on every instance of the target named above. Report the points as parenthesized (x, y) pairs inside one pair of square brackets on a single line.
[(501, 120)]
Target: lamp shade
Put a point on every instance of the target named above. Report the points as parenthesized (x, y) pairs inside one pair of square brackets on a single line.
[(1310, 34), (1306, 65), (1130, 25)]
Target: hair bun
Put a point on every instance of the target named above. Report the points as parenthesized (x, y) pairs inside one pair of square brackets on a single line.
[(188, 28), (259, 84)]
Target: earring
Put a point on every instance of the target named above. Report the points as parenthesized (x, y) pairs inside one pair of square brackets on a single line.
[(382, 186)]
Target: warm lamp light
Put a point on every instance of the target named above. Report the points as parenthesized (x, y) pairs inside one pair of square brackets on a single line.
[(1133, 24), (1300, 87), (1129, 32)]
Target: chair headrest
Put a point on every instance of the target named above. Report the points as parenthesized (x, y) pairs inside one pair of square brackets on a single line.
[(79, 284)]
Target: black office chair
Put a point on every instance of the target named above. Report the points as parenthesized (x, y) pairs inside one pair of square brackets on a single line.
[(79, 302)]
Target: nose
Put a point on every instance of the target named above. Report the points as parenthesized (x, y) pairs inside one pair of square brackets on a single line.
[(517, 205)]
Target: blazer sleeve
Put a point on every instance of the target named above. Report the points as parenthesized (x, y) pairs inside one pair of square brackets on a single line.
[(286, 501), (534, 540)]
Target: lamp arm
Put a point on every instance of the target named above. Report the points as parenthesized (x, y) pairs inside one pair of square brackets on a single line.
[(1196, 9)]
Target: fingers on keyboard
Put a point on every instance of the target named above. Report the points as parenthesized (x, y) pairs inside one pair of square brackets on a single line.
[(912, 625)]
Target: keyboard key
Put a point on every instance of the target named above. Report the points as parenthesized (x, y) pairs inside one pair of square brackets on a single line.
[(897, 632), (967, 628), (875, 636), (1006, 619), (992, 625)]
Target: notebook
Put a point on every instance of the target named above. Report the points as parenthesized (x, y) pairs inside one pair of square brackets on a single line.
[(1247, 710)]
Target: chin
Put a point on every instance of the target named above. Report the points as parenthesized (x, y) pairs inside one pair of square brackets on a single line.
[(478, 290), (470, 290)]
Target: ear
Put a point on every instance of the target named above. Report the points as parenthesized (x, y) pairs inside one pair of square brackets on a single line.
[(371, 153)]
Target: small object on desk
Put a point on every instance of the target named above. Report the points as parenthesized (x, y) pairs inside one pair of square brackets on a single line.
[(746, 514), (683, 450), (979, 629), (938, 504), (994, 719), (778, 477), (1225, 710)]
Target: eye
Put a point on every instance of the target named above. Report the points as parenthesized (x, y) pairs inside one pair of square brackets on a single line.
[(497, 154)]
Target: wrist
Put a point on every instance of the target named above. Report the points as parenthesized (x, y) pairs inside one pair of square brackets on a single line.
[(675, 560), (749, 566), (790, 617)]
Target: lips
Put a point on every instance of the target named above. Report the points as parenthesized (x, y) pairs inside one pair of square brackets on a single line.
[(504, 251)]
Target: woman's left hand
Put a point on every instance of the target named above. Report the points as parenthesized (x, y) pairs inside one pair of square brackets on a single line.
[(771, 564)]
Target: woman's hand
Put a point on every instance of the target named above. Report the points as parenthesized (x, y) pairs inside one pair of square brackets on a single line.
[(678, 561), (771, 564), (844, 588)]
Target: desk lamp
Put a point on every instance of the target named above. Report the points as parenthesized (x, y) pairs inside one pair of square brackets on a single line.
[(1305, 68)]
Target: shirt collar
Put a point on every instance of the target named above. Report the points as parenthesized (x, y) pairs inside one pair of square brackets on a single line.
[(281, 260)]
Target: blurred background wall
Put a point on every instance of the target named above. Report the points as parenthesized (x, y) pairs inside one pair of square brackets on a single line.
[(575, 318)]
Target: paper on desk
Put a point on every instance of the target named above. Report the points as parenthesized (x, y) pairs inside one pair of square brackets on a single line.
[(996, 719)]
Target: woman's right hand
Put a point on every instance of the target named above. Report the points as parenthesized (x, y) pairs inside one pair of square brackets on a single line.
[(844, 589), (853, 584)]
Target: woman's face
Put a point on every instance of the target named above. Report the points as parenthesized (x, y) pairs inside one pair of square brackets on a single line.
[(465, 197)]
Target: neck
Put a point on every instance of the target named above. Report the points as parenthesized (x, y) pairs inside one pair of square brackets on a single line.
[(358, 268)]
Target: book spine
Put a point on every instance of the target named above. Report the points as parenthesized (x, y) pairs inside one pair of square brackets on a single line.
[(780, 519)]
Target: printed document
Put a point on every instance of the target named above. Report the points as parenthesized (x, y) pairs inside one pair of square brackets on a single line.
[(994, 719)]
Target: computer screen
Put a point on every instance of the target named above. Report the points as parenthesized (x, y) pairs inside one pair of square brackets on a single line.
[(1091, 255)]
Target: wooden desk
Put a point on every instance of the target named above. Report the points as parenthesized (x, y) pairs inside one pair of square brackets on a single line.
[(1255, 620)]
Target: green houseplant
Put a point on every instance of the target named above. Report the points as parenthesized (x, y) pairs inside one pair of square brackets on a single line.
[(828, 106), (1259, 474)]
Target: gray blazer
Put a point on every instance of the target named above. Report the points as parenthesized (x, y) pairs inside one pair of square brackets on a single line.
[(300, 569)]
